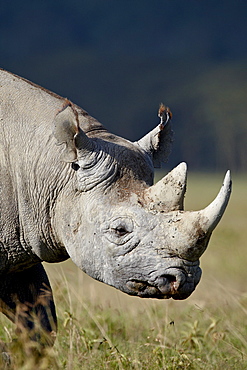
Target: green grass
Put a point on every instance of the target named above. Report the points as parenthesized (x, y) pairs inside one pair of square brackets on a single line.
[(102, 328)]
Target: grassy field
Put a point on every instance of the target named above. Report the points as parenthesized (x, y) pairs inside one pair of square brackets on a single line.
[(101, 328)]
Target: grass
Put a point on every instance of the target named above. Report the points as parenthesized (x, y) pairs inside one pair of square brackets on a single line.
[(102, 328)]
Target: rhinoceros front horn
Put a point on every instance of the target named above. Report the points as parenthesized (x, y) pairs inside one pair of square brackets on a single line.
[(198, 225), (211, 215), (192, 229)]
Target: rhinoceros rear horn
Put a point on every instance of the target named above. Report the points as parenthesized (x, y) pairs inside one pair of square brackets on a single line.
[(168, 193), (67, 131)]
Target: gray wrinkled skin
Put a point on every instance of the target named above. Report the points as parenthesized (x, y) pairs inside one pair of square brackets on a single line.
[(136, 253), (71, 189)]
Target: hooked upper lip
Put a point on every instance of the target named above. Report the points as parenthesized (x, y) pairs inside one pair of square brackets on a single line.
[(145, 290), (175, 283)]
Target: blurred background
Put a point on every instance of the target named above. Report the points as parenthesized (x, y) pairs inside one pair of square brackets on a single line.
[(120, 59)]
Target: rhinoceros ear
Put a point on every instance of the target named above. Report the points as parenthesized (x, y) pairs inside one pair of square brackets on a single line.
[(67, 131), (96, 166), (158, 142)]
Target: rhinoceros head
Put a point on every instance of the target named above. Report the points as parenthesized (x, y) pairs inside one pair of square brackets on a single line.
[(120, 228)]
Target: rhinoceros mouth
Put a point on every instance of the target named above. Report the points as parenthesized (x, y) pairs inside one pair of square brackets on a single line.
[(174, 284), (145, 290)]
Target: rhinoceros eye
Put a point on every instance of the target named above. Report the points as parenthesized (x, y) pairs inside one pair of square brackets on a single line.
[(121, 230), (121, 227), (118, 230)]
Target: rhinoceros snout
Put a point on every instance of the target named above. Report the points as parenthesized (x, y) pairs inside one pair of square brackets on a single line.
[(178, 283), (169, 284), (175, 283)]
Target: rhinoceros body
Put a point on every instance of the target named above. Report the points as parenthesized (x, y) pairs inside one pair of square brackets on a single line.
[(69, 188)]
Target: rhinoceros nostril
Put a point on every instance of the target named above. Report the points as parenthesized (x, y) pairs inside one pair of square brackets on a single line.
[(168, 284), (170, 278)]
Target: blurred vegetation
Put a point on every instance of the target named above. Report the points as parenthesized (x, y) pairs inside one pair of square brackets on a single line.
[(119, 60), (102, 328)]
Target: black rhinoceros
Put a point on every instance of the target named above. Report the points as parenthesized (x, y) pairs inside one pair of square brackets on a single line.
[(69, 188)]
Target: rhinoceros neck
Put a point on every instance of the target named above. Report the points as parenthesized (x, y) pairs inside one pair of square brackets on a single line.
[(31, 170), (33, 184)]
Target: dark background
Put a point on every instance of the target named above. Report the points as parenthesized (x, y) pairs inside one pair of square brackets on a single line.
[(120, 59)]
